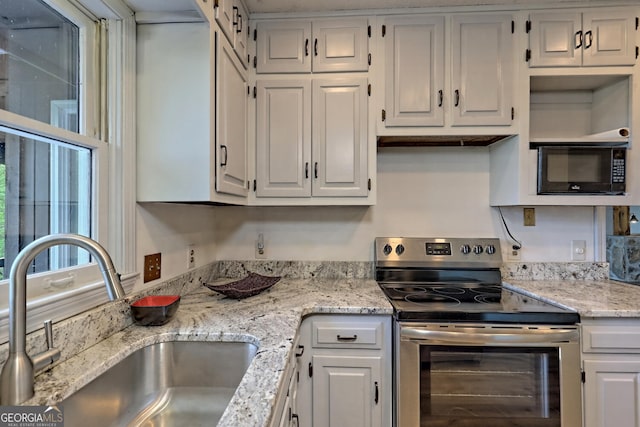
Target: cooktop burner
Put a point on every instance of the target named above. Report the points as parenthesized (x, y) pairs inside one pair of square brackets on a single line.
[(442, 292), (456, 280)]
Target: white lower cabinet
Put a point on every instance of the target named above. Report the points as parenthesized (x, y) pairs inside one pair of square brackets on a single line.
[(345, 376), (346, 391), (611, 365), (285, 410)]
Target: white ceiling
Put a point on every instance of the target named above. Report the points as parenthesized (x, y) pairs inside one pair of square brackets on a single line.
[(279, 6)]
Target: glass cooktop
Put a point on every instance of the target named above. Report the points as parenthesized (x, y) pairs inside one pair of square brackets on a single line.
[(461, 302)]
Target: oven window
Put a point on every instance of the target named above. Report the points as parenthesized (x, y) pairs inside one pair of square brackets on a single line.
[(489, 386)]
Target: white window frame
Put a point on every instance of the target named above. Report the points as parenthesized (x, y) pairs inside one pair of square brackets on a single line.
[(107, 126)]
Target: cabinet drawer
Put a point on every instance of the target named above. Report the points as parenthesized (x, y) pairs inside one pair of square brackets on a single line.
[(339, 334), (607, 339)]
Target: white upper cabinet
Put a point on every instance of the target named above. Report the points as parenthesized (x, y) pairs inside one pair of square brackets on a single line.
[(231, 121), (331, 45), (480, 88), (233, 19), (482, 69), (414, 79), (283, 149), (340, 138), (283, 47), (570, 38), (226, 15), (291, 160), (340, 45)]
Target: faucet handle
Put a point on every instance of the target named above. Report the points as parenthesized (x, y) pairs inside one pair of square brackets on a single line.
[(48, 333), (46, 358)]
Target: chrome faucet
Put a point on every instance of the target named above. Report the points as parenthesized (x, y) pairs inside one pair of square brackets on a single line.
[(16, 380)]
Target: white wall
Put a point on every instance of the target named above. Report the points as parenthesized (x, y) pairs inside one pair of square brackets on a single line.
[(421, 192)]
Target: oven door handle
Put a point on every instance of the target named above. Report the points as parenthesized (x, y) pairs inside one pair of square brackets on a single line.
[(524, 336)]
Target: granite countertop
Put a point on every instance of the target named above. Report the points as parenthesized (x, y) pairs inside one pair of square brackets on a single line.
[(590, 298), (270, 320)]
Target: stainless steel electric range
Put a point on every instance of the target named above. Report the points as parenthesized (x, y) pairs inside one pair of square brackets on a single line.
[(467, 351)]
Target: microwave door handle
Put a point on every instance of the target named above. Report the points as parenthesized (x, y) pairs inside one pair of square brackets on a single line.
[(526, 336)]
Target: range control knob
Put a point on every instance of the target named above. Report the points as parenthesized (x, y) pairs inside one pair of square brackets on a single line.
[(465, 249), (490, 249), (477, 249), (387, 249), (399, 249)]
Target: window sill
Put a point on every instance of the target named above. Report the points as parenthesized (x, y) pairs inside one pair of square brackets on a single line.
[(63, 305)]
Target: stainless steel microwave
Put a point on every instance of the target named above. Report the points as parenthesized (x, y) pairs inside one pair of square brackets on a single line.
[(581, 170)]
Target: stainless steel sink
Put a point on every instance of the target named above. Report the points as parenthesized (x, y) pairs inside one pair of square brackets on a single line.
[(176, 383)]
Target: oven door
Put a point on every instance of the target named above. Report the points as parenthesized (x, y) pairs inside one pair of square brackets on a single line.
[(487, 375)]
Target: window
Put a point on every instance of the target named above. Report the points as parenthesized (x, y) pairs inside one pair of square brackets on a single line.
[(56, 164)]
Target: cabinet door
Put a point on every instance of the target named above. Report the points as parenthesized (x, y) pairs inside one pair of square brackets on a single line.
[(555, 39), (283, 47), (609, 38), (340, 137), (226, 13), (612, 393), (340, 45), (482, 70), (241, 30), (414, 81), (283, 151), (231, 121), (346, 391)]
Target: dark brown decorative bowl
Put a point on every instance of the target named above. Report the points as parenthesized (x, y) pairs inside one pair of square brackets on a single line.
[(251, 285), (155, 310)]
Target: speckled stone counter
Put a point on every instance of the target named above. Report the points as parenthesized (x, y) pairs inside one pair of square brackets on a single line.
[(269, 320), (590, 298)]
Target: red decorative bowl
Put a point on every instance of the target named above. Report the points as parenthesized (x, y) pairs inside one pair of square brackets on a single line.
[(155, 310)]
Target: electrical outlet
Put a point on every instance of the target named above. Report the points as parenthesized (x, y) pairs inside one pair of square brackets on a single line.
[(514, 254), (261, 252), (191, 257), (529, 217), (578, 250), (152, 267)]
